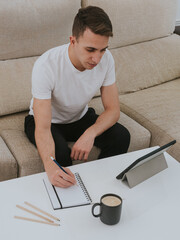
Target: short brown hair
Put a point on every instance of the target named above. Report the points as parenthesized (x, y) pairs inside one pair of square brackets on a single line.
[(93, 18)]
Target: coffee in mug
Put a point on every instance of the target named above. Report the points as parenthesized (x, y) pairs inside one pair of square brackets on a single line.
[(111, 201), (110, 208)]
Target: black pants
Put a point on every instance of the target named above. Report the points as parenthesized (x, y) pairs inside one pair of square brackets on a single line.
[(112, 142)]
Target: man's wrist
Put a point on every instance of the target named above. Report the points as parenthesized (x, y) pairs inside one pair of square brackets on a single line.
[(48, 163), (92, 131)]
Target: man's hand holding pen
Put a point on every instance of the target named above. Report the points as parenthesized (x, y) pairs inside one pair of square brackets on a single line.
[(58, 176)]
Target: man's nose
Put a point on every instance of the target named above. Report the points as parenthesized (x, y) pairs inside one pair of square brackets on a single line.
[(96, 57)]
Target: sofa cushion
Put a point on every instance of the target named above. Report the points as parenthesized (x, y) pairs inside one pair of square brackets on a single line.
[(158, 110), (147, 64), (29, 28), (8, 164), (138, 20), (15, 82), (140, 137)]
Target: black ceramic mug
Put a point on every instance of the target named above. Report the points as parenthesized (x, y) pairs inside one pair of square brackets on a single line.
[(110, 208)]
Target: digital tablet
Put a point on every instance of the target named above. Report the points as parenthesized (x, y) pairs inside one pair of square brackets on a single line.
[(146, 157)]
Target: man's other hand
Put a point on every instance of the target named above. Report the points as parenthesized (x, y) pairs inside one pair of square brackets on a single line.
[(83, 146)]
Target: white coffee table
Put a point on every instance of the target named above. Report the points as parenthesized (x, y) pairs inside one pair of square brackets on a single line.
[(151, 210)]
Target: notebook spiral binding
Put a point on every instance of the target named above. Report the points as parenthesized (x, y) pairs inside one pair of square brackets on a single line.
[(81, 184)]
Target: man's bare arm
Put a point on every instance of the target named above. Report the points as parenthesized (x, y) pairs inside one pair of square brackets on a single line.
[(45, 144), (107, 119), (111, 114)]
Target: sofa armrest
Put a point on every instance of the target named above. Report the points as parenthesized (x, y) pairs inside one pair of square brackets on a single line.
[(8, 164), (25, 153)]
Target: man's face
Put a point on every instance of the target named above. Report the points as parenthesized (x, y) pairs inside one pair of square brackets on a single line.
[(88, 49)]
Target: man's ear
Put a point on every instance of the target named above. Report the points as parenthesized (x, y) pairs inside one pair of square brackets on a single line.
[(72, 40)]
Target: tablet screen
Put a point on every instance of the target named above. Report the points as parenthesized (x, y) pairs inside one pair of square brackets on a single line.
[(146, 157)]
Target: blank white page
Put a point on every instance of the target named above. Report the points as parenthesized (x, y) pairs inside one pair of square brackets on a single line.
[(75, 195)]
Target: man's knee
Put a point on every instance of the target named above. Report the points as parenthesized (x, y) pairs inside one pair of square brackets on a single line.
[(29, 128), (121, 138), (63, 156), (62, 151)]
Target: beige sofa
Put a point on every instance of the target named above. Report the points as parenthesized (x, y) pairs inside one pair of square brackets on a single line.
[(147, 58)]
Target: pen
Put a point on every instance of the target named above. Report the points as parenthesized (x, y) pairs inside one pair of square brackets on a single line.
[(58, 165)]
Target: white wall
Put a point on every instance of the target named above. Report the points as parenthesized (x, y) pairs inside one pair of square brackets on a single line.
[(178, 14)]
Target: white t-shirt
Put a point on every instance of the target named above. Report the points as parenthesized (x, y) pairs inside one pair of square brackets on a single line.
[(70, 90)]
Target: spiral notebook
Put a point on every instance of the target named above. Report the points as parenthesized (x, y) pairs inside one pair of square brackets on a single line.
[(76, 195)]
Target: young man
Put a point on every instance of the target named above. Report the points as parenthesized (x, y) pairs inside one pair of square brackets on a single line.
[(64, 80)]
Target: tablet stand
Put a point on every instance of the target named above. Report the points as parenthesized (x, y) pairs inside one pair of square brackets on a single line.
[(146, 170)]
